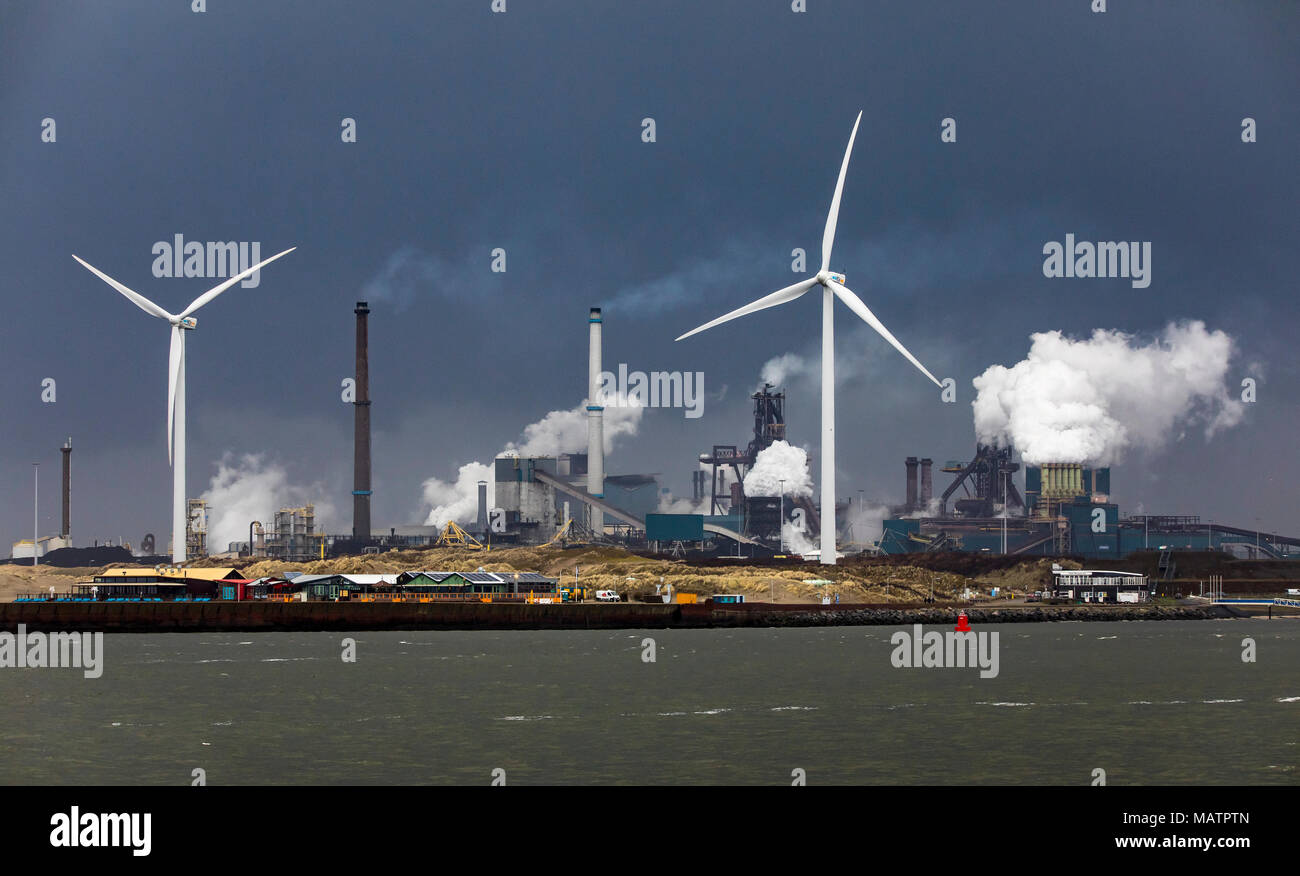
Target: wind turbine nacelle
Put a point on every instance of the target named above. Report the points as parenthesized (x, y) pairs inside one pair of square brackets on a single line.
[(838, 277), (190, 322)]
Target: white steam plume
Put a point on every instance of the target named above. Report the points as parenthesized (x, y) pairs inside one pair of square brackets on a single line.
[(247, 488), (868, 522), (458, 500), (778, 462), (669, 504), (566, 431), (931, 509), (557, 432), (1088, 401), (410, 274), (779, 370), (796, 540)]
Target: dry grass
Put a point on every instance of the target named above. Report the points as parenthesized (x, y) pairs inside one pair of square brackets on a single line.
[(1027, 576), (603, 568), (615, 569), (15, 579)]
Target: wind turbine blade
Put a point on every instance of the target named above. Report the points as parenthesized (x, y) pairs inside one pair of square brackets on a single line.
[(174, 355), (217, 290), (781, 296), (833, 218), (135, 297), (855, 304)]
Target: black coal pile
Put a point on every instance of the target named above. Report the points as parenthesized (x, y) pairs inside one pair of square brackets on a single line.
[(82, 557)]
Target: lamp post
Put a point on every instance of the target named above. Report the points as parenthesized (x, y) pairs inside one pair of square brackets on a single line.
[(781, 520), (36, 500), (1004, 513)]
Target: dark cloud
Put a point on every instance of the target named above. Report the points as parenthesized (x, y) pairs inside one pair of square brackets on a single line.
[(522, 131)]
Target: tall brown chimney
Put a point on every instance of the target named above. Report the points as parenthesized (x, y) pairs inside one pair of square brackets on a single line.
[(911, 483), (67, 489), (927, 483), (361, 436)]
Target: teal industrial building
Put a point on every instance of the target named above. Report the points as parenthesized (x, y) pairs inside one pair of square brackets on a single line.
[(1066, 509)]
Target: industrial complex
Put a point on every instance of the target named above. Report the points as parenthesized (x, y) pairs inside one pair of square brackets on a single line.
[(992, 504)]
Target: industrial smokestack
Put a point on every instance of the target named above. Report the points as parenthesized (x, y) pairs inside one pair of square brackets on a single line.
[(361, 436), (67, 491), (595, 423), (911, 483), (482, 508), (927, 483)]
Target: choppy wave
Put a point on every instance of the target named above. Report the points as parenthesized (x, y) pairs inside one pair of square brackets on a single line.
[(135, 724)]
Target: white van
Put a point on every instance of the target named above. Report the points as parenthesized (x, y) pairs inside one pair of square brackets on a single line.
[(606, 596)]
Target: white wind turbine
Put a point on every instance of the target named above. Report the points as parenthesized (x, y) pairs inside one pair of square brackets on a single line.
[(833, 287), (180, 323)]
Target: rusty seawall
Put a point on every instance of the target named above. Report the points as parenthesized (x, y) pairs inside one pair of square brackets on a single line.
[(178, 617)]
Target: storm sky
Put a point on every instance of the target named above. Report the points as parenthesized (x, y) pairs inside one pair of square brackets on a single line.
[(523, 131)]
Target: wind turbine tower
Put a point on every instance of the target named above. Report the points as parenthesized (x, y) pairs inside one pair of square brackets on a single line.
[(181, 323), (595, 423), (833, 287)]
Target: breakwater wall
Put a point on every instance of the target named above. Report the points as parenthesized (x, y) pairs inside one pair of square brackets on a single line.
[(849, 615), (180, 617)]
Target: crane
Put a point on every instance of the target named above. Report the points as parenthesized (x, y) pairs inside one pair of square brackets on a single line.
[(559, 536), (453, 536)]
